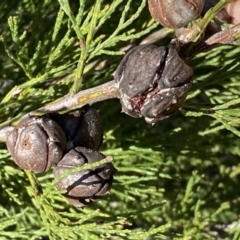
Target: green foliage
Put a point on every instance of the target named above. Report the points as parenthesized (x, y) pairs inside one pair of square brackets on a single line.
[(178, 179)]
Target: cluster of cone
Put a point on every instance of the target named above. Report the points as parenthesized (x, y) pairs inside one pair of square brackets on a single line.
[(64, 141)]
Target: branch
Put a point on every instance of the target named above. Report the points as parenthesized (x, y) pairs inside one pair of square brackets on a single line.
[(226, 37)]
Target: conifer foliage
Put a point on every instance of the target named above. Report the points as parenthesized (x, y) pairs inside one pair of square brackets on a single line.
[(176, 179)]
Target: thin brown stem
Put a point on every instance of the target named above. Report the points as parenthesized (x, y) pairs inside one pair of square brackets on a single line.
[(225, 37), (89, 96), (228, 36)]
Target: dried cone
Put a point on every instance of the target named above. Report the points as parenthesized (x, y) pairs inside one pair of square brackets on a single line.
[(175, 14), (36, 144), (153, 82), (82, 128), (86, 186)]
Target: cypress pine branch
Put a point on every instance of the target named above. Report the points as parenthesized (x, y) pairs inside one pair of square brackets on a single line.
[(176, 180)]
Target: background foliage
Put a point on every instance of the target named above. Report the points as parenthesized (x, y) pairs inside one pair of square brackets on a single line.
[(178, 179)]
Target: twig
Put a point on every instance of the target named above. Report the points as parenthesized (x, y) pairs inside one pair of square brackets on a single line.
[(225, 37), (68, 102), (228, 36), (36, 186)]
